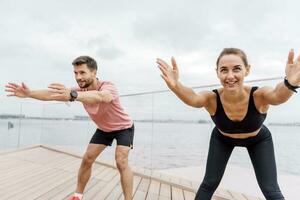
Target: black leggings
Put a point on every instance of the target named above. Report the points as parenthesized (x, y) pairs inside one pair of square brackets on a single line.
[(261, 151)]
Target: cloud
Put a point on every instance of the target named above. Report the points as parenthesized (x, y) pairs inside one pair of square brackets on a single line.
[(43, 37), (104, 47), (172, 30), (194, 26)]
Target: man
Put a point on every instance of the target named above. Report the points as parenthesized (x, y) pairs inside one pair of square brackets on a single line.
[(100, 100)]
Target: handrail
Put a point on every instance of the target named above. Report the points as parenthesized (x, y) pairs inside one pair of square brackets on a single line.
[(193, 87), (199, 87)]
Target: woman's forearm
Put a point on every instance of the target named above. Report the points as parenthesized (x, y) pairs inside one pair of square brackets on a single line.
[(187, 95), (279, 94)]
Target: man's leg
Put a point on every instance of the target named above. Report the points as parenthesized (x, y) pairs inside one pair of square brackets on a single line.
[(85, 169), (121, 156)]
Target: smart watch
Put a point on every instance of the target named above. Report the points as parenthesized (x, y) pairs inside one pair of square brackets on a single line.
[(73, 95), (289, 86)]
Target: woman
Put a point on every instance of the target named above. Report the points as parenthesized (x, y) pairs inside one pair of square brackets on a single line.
[(238, 112)]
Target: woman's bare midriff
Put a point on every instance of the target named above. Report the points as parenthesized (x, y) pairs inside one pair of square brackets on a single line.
[(240, 135)]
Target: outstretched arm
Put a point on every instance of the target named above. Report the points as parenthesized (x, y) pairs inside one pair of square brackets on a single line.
[(23, 91), (186, 94), (57, 92), (60, 93), (281, 93)]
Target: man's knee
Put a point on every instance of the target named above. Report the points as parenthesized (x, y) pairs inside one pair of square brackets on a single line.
[(88, 160), (121, 161)]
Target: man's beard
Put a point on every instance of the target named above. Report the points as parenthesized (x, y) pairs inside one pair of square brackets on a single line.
[(87, 83)]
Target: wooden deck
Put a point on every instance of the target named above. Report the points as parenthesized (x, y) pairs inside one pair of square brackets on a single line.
[(44, 173)]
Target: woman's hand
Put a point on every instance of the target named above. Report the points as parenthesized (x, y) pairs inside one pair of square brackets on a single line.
[(292, 69), (169, 74)]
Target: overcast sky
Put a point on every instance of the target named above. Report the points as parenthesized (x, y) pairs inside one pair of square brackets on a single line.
[(39, 39)]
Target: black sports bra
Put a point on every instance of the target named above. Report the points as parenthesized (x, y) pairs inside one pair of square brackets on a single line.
[(250, 123)]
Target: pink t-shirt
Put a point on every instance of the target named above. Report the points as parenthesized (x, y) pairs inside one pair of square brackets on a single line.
[(109, 116)]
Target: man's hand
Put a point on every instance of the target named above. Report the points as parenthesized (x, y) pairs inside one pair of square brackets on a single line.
[(21, 91), (59, 92)]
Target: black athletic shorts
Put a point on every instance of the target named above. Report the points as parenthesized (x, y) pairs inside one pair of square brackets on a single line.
[(124, 137)]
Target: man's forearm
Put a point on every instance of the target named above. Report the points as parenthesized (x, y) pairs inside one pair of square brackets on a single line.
[(91, 97), (43, 95)]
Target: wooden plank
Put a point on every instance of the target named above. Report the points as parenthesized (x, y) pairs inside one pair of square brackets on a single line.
[(220, 198), (26, 183), (61, 162), (175, 180), (51, 159), (236, 195), (11, 170), (111, 174), (142, 189), (188, 195), (165, 177), (89, 194), (39, 155), (43, 187), (223, 193), (185, 182), (153, 192), (165, 191), (108, 187), (136, 183), (164, 198), (9, 152), (177, 193), (18, 173), (248, 197), (49, 195), (72, 167), (195, 185), (97, 169), (45, 174), (156, 174), (24, 175), (25, 186), (104, 171), (94, 190), (11, 164), (70, 189), (115, 193)]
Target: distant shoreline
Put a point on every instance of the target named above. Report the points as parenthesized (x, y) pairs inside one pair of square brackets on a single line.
[(86, 118)]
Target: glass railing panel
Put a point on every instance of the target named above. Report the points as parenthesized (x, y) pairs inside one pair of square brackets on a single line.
[(65, 125), (19, 124), (140, 108), (169, 134), (180, 133)]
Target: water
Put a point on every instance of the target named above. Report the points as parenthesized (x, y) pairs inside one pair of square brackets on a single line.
[(156, 145)]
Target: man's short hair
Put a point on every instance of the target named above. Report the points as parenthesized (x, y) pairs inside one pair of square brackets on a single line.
[(89, 61)]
